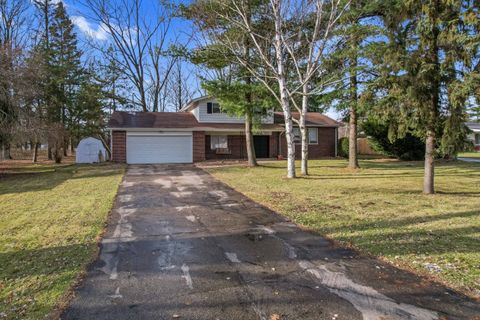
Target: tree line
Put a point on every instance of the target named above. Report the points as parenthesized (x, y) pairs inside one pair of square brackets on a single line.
[(410, 66), (56, 88)]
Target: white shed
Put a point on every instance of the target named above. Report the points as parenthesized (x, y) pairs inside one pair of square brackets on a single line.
[(91, 150)]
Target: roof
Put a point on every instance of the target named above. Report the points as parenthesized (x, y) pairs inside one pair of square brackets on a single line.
[(186, 120), (192, 104), (474, 126), (122, 119), (312, 119)]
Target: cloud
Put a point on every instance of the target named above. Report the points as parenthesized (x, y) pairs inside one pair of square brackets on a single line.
[(98, 33)]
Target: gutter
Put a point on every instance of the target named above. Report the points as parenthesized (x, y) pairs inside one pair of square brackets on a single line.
[(336, 142)]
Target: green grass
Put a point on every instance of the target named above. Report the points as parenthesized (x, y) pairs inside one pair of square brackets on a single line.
[(379, 209), (469, 154), (50, 220)]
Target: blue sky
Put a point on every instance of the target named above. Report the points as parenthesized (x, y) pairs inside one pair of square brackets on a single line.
[(86, 28)]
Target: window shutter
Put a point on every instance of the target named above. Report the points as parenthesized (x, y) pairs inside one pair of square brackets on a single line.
[(209, 107)]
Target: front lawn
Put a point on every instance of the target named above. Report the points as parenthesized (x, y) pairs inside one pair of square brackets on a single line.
[(380, 210), (50, 219), (469, 155)]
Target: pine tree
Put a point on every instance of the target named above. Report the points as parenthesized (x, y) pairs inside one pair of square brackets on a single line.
[(426, 72), (239, 94), (64, 69), (351, 65), (41, 54)]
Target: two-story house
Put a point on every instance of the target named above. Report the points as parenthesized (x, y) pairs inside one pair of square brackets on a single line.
[(201, 131), (474, 136)]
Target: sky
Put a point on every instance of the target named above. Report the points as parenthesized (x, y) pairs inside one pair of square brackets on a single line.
[(182, 29)]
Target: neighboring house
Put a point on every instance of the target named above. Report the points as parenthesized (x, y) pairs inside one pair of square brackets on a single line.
[(475, 135), (200, 131)]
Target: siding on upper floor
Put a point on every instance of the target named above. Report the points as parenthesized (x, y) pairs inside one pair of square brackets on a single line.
[(200, 112)]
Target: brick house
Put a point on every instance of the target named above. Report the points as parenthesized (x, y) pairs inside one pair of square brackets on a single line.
[(474, 136), (201, 131)]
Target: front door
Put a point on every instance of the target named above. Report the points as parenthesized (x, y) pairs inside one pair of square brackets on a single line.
[(261, 146)]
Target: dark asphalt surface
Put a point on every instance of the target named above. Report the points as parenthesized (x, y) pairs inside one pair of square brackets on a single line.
[(182, 245)]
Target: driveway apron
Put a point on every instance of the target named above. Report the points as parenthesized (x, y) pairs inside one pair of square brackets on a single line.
[(180, 244)]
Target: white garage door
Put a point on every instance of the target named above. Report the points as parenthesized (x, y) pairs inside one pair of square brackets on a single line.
[(172, 147)]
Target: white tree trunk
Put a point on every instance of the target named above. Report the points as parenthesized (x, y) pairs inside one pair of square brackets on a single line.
[(284, 97), (304, 131)]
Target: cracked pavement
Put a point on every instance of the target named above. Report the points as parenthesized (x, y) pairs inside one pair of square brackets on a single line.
[(180, 244)]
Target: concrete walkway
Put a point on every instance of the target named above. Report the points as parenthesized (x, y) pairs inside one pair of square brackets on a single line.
[(470, 159), (180, 244)]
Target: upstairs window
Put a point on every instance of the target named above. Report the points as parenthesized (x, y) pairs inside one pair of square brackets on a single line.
[(218, 142), (213, 107)]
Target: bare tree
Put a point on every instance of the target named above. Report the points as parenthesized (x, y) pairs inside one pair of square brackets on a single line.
[(180, 88), (140, 37), (13, 30)]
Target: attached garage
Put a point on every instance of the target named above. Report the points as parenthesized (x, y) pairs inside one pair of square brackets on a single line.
[(154, 147)]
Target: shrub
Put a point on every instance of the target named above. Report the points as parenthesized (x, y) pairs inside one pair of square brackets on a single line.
[(408, 148), (343, 146)]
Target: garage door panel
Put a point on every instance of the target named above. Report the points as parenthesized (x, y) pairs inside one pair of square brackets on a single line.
[(144, 149)]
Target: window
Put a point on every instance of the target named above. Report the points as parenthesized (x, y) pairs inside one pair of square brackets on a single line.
[(477, 138), (213, 107), (297, 136), (218, 142), (312, 135)]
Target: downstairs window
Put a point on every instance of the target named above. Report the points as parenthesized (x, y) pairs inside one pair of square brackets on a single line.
[(218, 142)]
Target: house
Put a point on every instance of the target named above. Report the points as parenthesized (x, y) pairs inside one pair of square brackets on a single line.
[(475, 135), (201, 131)]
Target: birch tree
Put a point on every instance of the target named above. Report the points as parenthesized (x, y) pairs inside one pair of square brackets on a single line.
[(289, 55)]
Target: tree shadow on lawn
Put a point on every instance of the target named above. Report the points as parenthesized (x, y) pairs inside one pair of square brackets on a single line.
[(43, 261), (26, 274), (49, 178), (417, 242), (403, 222), (407, 235)]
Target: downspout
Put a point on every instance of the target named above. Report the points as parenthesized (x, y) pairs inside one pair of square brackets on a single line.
[(336, 142), (280, 143), (111, 145)]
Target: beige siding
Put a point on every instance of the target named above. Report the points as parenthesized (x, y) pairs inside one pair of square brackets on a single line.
[(202, 116)]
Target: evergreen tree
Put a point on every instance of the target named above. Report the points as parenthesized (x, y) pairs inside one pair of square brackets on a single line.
[(41, 55), (351, 65), (426, 72), (64, 69), (88, 117), (238, 93)]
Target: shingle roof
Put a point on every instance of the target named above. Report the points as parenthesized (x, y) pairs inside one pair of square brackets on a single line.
[(475, 126), (312, 119), (121, 119), (186, 120)]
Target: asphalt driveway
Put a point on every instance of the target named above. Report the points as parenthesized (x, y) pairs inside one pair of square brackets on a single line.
[(181, 244)]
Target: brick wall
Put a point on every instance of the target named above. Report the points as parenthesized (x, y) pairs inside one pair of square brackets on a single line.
[(119, 146), (273, 144), (198, 146), (236, 144), (324, 148)]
